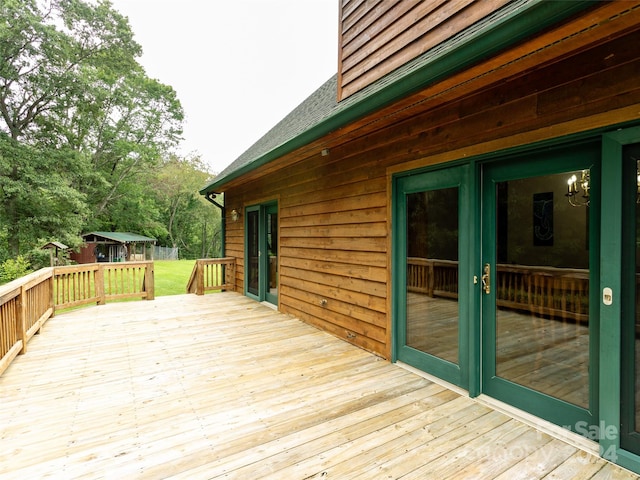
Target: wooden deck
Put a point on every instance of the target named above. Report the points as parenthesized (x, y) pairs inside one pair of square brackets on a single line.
[(220, 386)]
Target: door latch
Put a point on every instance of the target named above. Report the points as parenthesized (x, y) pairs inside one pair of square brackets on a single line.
[(486, 279)]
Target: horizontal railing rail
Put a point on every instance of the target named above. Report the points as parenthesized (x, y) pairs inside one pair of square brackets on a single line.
[(28, 302), (556, 292), (212, 274)]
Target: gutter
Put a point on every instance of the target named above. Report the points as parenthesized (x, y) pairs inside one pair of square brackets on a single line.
[(515, 22)]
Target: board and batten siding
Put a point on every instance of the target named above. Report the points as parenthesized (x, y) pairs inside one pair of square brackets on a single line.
[(334, 222), (377, 37)]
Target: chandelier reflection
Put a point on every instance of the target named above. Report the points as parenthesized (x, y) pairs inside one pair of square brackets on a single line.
[(578, 191)]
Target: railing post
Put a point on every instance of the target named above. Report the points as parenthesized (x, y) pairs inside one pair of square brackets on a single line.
[(199, 278), (98, 281), (21, 324), (52, 298), (431, 282), (149, 281), (233, 276)]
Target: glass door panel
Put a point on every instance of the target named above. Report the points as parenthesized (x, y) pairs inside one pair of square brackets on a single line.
[(542, 288), (539, 260), (432, 272), (253, 252), (271, 293)]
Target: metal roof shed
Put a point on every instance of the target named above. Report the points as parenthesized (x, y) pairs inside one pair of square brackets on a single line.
[(114, 247)]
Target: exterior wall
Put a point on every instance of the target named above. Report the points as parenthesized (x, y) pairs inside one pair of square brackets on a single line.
[(374, 40), (85, 255), (334, 210)]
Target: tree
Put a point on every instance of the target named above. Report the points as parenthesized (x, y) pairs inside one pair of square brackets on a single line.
[(37, 194), (79, 118), (189, 218)]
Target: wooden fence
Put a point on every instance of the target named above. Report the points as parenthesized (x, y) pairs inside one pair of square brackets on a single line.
[(556, 292), (28, 302), (212, 274)]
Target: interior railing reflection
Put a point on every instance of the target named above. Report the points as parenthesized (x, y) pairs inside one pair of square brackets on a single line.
[(546, 291)]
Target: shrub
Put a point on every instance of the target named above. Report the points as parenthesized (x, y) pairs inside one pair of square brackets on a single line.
[(14, 268)]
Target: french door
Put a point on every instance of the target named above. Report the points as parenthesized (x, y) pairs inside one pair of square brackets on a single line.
[(261, 256), (497, 279), (539, 284)]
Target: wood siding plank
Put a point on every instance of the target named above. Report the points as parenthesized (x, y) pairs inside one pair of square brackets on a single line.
[(376, 39)]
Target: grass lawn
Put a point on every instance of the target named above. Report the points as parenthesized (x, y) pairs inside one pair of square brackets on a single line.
[(171, 276)]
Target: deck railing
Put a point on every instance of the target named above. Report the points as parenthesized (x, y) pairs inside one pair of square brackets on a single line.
[(556, 292), (25, 305), (100, 282), (212, 274), (28, 302)]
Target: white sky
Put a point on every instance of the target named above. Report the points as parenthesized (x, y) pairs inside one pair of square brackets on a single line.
[(238, 66)]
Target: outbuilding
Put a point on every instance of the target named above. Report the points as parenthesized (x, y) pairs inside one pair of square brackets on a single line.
[(114, 247)]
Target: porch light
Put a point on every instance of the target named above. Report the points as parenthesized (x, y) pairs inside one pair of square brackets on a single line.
[(235, 215)]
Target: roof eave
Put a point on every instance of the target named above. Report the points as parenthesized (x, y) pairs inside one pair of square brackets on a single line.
[(525, 18)]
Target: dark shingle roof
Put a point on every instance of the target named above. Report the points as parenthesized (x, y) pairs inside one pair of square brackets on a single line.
[(310, 112)]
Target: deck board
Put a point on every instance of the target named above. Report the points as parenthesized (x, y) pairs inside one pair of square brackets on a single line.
[(220, 386)]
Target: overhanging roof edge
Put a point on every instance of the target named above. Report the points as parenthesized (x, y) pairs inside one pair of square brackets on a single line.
[(506, 27)]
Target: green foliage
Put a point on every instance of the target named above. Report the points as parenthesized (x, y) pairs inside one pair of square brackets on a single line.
[(85, 134), (193, 224), (14, 268)]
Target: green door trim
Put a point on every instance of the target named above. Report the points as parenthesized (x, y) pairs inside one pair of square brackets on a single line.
[(562, 158), (611, 368), (263, 259), (425, 180), (269, 209)]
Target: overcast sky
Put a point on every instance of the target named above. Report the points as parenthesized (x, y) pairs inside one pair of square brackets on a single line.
[(238, 66)]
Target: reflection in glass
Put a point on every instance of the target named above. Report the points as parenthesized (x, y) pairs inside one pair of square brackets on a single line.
[(253, 251), (432, 272), (542, 288), (272, 252)]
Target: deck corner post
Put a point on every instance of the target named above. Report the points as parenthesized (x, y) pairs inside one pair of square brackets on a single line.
[(199, 277), (149, 280)]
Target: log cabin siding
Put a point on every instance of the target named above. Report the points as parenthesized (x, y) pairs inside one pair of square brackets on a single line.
[(334, 224), (377, 37)]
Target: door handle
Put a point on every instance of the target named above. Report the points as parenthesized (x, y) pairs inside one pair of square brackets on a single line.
[(486, 279)]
